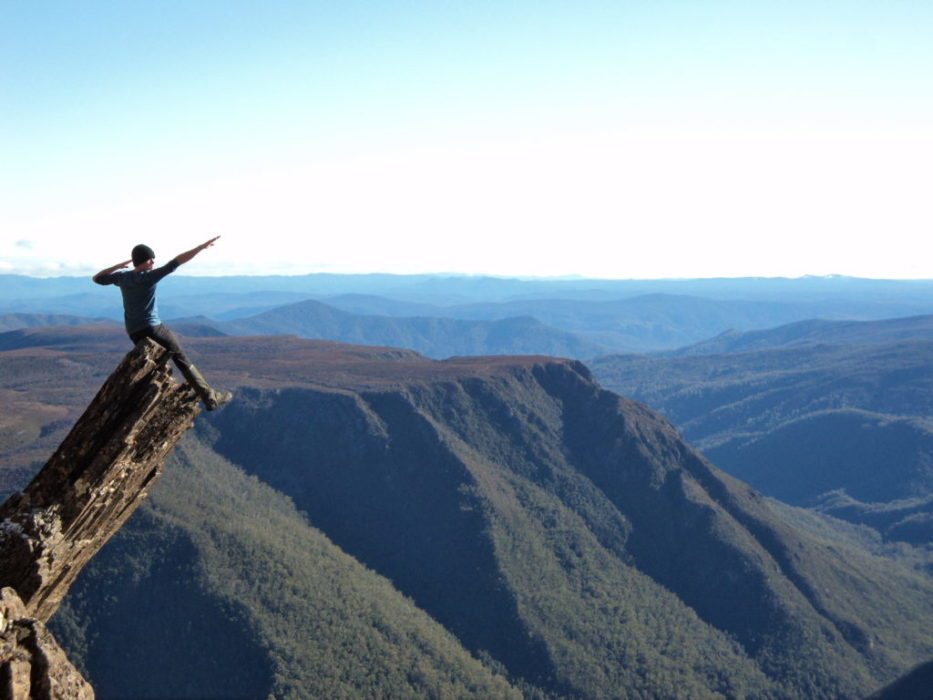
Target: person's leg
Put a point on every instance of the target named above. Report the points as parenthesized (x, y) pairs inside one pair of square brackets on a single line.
[(139, 335), (164, 337)]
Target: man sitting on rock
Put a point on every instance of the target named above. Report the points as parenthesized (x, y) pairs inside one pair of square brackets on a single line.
[(141, 313)]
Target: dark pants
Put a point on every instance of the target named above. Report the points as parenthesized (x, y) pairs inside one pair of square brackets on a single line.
[(164, 337)]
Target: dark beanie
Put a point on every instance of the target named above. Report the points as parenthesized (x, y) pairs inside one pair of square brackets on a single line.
[(142, 253)]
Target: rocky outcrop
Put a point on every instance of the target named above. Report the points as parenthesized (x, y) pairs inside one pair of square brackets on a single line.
[(33, 665), (92, 484)]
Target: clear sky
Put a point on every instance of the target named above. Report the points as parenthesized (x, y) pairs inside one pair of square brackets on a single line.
[(631, 139)]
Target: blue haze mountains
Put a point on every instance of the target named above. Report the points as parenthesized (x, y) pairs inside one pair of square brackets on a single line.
[(602, 316)]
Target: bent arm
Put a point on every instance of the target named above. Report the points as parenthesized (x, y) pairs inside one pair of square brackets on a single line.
[(99, 277), (182, 258)]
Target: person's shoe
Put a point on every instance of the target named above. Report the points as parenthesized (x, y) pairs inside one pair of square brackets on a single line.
[(217, 398), (211, 398)]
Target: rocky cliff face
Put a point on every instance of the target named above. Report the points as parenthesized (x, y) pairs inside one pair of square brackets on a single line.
[(32, 665), (87, 490)]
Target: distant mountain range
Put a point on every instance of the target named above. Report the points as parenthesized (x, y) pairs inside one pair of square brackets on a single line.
[(434, 337), (612, 315), (449, 290), (816, 332), (642, 323), (10, 322), (365, 522)]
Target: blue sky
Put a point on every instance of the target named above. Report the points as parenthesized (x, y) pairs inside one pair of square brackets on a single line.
[(638, 139)]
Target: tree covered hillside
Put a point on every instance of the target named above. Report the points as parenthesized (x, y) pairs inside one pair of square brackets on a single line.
[(842, 427), (220, 588)]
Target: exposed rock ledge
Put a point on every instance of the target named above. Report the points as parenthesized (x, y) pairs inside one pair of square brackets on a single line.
[(92, 484), (32, 665)]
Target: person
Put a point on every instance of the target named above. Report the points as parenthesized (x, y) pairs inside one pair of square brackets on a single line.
[(141, 312)]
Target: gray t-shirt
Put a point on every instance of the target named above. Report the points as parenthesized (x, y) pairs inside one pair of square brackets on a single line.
[(140, 309)]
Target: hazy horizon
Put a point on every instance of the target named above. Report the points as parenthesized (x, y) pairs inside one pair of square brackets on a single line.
[(181, 272)]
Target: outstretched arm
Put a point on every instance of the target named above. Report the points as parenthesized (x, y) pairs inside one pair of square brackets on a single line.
[(109, 270), (182, 258)]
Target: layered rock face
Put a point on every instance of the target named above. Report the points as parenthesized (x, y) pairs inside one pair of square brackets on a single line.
[(95, 480), (32, 665)]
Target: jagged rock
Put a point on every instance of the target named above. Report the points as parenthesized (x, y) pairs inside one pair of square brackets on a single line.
[(32, 665), (95, 480)]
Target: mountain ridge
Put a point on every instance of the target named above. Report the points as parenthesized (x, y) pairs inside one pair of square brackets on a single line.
[(815, 331), (619, 315), (842, 428), (431, 336)]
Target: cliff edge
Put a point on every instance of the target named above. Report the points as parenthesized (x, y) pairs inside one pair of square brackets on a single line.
[(97, 477)]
